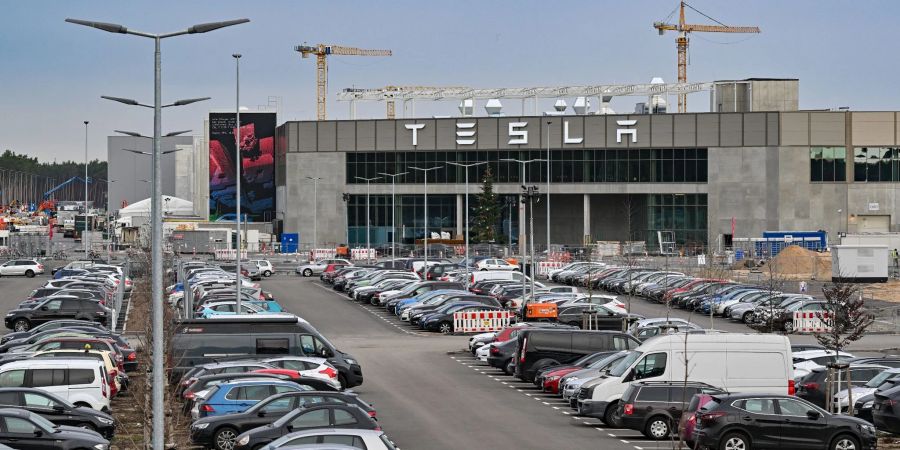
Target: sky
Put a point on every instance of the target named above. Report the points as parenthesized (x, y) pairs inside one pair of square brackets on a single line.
[(53, 73)]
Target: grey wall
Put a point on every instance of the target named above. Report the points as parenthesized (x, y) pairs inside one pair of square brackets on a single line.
[(126, 168)]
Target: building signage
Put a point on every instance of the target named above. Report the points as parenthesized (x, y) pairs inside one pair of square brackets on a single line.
[(517, 133), (623, 131)]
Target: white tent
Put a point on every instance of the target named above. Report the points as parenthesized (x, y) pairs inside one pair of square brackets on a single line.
[(171, 206)]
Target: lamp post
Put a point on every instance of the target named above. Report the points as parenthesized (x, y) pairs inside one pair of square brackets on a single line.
[(549, 161), (315, 181), (134, 165), (238, 162), (425, 172), (466, 169), (368, 222), (523, 248), (156, 222), (87, 234), (393, 211)]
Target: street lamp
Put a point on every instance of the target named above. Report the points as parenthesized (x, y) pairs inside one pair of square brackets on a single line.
[(466, 168), (549, 161), (315, 181), (425, 172), (238, 162), (393, 211), (368, 222), (156, 222), (87, 234), (523, 248)]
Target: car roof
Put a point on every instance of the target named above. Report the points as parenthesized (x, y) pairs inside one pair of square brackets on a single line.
[(257, 382), (14, 412), (319, 431), (53, 362)]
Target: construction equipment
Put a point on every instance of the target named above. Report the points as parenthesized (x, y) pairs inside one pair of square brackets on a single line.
[(681, 41), (321, 51)]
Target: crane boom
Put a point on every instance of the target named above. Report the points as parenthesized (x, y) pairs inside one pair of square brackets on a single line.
[(321, 51), (681, 42)]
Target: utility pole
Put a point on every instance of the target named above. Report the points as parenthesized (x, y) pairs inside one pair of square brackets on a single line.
[(425, 172), (368, 222), (549, 161), (393, 211), (466, 168), (238, 162), (87, 235)]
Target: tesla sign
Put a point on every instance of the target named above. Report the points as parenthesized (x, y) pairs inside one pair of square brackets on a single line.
[(517, 133)]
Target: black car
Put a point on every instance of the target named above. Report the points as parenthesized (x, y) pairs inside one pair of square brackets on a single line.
[(886, 410), (54, 309), (744, 421), (219, 432), (601, 317), (812, 386), (95, 294), (654, 408), (57, 410), (52, 325), (540, 348), (24, 429), (323, 416)]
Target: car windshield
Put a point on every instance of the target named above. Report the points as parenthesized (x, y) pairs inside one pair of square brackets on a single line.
[(43, 423), (607, 361), (880, 378), (620, 367)]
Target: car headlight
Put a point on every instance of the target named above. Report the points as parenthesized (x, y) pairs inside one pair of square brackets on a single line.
[(105, 420), (867, 428), (102, 446), (552, 378), (243, 441), (200, 426), (868, 404), (9, 314), (350, 361)]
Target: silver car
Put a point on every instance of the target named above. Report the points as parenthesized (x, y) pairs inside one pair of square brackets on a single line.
[(317, 267), (27, 267)]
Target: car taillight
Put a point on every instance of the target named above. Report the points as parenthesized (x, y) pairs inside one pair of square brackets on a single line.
[(495, 350), (791, 387), (629, 409), (889, 402), (40, 267), (807, 386), (372, 414), (103, 391), (189, 381), (207, 408), (189, 395), (711, 417), (132, 356), (522, 351), (329, 371)]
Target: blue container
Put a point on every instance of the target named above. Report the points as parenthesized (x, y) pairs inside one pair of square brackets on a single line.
[(289, 242)]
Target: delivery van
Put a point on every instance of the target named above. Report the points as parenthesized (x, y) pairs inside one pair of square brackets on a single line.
[(735, 362)]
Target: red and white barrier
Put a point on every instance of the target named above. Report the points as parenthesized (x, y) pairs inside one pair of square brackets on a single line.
[(228, 254), (810, 322), (357, 254), (544, 267), (323, 253), (480, 321)]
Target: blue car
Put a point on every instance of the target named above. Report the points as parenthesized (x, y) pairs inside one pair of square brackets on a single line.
[(238, 396)]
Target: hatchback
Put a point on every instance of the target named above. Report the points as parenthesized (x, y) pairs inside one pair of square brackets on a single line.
[(654, 408), (26, 267), (228, 398), (321, 416)]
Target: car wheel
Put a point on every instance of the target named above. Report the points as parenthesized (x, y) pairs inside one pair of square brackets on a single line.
[(747, 317), (508, 368), (735, 441), (845, 442), (788, 326), (307, 272), (657, 428), (267, 273), (29, 273), (21, 325), (445, 328), (343, 381), (611, 417), (224, 438)]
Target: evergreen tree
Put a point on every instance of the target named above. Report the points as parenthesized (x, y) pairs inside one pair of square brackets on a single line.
[(487, 211)]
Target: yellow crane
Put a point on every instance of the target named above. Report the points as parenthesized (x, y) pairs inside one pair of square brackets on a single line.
[(681, 41), (321, 51)]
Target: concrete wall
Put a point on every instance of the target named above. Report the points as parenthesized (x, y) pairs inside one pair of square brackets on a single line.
[(126, 168)]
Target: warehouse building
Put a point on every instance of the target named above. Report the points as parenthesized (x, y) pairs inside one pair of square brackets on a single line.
[(756, 163)]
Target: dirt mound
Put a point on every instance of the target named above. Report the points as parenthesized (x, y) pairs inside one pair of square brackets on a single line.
[(796, 260)]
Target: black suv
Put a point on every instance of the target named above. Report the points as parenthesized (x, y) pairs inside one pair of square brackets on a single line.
[(654, 408), (57, 410), (812, 386), (42, 433), (54, 309), (540, 348), (777, 421)]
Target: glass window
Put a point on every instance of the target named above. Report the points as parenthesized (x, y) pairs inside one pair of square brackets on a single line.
[(342, 417), (653, 394), (272, 346), (76, 376), (41, 377), (16, 425), (53, 305), (313, 419), (9, 399), (38, 400), (307, 401), (793, 407), (758, 405), (349, 440), (278, 406), (13, 378), (653, 365), (255, 392), (303, 441)]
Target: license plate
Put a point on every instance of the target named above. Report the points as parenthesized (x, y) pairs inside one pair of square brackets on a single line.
[(877, 406)]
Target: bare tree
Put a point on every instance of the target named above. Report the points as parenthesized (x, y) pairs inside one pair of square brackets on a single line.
[(844, 316), (774, 285), (629, 255)]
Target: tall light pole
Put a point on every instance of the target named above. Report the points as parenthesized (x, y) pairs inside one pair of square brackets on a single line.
[(549, 161), (134, 165), (393, 211), (238, 162), (523, 247), (425, 172), (156, 286), (466, 169), (315, 181), (368, 222), (87, 234)]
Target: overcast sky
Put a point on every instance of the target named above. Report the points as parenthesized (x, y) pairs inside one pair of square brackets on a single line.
[(52, 73)]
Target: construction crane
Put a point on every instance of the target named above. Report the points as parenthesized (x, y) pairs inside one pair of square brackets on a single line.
[(681, 41), (321, 51)]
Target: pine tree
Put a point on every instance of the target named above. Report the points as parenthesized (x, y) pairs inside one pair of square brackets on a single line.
[(487, 211)]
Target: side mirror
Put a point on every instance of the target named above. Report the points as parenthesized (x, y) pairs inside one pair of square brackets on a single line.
[(59, 408), (261, 414), (813, 415), (289, 427), (43, 308), (38, 433)]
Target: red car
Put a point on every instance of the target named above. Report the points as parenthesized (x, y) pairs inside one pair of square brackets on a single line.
[(671, 292), (551, 379), (327, 382), (689, 418)]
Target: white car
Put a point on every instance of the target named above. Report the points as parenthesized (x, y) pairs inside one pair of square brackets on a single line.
[(265, 267), (842, 398), (483, 352), (368, 439), (308, 367), (805, 362), (26, 267), (319, 266), (480, 339), (495, 264)]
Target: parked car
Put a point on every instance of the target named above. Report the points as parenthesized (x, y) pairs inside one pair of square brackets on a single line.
[(83, 382), (265, 267), (354, 438), (52, 325), (743, 421), (886, 410), (39, 433), (57, 410), (238, 396), (495, 264), (654, 408), (26, 267), (813, 386), (688, 422), (540, 348), (333, 416), (885, 380), (219, 432), (54, 309), (315, 267)]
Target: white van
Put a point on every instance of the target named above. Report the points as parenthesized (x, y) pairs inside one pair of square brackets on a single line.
[(81, 381), (745, 363), (487, 275)]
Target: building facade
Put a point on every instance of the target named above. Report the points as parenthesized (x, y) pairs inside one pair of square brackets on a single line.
[(707, 177)]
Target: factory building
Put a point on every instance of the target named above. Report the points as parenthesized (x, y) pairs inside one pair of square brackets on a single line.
[(755, 163)]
